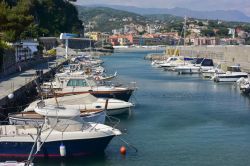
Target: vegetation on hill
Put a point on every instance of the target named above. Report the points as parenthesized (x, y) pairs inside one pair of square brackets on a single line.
[(22, 19), (105, 19)]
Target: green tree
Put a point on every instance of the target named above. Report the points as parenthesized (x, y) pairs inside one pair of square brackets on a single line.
[(223, 32), (32, 18), (208, 32), (200, 23), (15, 19)]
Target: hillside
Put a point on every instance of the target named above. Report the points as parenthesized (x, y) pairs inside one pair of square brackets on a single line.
[(226, 15), (105, 19)]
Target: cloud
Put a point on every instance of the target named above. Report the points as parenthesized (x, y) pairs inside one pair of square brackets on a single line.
[(241, 5)]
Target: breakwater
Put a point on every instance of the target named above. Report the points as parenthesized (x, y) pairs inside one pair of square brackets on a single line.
[(231, 55)]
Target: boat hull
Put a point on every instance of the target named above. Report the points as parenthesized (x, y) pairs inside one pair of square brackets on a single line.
[(121, 94), (74, 148), (188, 71), (222, 78), (118, 111)]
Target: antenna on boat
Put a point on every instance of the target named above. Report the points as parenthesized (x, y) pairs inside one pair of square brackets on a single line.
[(54, 94)]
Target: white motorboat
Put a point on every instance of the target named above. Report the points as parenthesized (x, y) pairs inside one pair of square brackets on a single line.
[(232, 75), (157, 63), (64, 134), (210, 73), (69, 85), (87, 102), (172, 62), (244, 85), (15, 163), (197, 66), (32, 118)]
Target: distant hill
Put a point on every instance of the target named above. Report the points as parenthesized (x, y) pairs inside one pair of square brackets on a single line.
[(105, 19), (226, 15), (101, 16)]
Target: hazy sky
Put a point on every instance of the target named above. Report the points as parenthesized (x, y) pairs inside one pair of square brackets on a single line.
[(241, 5)]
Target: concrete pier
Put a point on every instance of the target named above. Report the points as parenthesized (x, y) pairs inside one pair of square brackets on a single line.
[(22, 83), (230, 54)]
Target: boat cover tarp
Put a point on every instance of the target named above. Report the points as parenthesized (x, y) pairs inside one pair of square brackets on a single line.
[(66, 100)]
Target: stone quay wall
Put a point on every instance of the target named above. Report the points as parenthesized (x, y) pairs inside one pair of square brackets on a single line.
[(231, 55)]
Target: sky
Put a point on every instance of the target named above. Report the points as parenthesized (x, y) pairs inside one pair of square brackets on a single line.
[(203, 5)]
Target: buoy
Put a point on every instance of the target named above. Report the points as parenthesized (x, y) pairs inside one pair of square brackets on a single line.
[(123, 150), (62, 150), (11, 96)]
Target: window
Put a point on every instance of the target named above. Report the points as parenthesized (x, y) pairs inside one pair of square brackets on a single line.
[(76, 82)]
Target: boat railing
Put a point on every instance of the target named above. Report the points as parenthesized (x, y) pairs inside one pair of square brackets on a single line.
[(113, 121), (132, 85)]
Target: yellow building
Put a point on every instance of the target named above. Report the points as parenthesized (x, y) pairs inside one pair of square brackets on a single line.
[(98, 36)]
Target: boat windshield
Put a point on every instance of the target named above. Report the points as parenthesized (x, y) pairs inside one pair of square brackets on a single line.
[(77, 82), (234, 69)]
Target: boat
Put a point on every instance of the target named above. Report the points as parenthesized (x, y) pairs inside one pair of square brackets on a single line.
[(69, 85), (210, 73), (32, 118), (87, 102), (244, 85), (157, 63), (64, 134), (197, 66), (15, 163), (175, 61), (97, 76), (232, 74), (104, 77)]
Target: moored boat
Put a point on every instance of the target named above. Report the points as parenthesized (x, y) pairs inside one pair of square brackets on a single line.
[(64, 134), (33, 118), (87, 102), (197, 66), (232, 75), (244, 85), (79, 85)]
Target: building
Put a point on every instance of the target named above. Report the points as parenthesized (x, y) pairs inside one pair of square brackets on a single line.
[(123, 41), (80, 43), (114, 40), (232, 41), (95, 36), (150, 29), (25, 50)]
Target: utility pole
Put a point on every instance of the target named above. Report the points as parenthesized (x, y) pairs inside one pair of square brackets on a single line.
[(90, 45), (185, 28)]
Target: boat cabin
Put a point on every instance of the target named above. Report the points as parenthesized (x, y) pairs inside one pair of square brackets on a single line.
[(203, 61), (233, 68)]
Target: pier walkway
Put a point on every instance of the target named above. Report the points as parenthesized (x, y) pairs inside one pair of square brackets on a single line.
[(12, 83)]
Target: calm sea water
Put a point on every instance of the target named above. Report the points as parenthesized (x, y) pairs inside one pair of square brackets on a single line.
[(177, 121)]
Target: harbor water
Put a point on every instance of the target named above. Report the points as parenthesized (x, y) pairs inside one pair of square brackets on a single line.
[(178, 120)]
